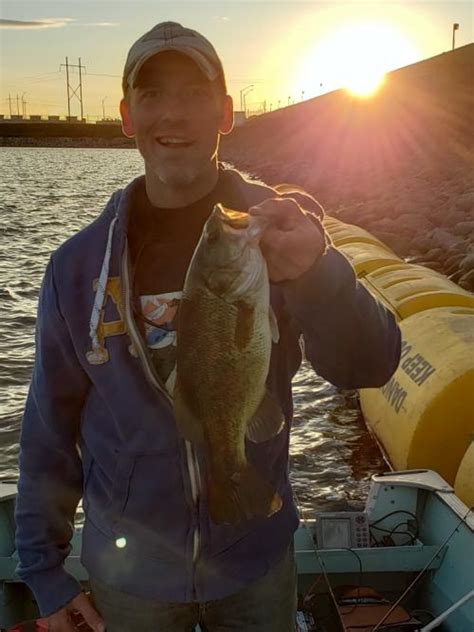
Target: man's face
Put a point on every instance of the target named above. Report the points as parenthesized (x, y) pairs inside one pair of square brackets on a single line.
[(176, 114)]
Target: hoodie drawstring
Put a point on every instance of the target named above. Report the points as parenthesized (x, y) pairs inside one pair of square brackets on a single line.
[(99, 354)]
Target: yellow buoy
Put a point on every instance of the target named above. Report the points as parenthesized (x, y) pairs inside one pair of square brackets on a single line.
[(409, 289), (464, 483), (390, 275), (342, 233), (367, 257), (424, 415)]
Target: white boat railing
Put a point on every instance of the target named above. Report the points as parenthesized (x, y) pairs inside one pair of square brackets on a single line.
[(444, 615)]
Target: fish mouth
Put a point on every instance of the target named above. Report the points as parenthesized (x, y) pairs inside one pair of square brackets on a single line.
[(235, 219), (242, 221)]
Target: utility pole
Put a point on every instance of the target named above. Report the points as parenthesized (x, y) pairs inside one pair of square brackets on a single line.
[(23, 105), (80, 89), (10, 104), (68, 99), (103, 108), (243, 92), (72, 92), (17, 106), (455, 28)]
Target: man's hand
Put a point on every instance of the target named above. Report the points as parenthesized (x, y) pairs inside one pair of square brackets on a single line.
[(66, 619), (292, 242)]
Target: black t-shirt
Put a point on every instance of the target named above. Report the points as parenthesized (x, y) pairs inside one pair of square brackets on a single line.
[(161, 243)]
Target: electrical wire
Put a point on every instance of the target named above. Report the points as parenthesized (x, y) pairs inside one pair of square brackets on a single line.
[(412, 536), (391, 532), (393, 513), (320, 561), (422, 572), (360, 579)]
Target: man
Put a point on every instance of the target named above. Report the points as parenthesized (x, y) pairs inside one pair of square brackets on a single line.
[(98, 421)]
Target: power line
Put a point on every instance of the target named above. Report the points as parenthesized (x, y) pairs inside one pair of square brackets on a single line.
[(259, 81), (95, 74)]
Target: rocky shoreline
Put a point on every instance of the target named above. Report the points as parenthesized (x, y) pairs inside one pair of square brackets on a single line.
[(399, 165), (436, 231)]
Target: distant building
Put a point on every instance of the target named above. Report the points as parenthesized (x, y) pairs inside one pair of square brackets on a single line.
[(16, 117), (53, 118), (35, 117)]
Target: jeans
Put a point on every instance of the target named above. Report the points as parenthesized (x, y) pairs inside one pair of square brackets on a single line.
[(266, 605)]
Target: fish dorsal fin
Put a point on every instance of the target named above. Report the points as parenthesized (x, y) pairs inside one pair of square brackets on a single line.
[(273, 325), (188, 426), (267, 422)]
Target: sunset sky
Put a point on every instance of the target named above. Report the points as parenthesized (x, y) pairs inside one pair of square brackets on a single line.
[(288, 51)]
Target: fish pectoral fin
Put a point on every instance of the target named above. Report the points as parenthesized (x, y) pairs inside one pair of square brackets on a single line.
[(188, 426), (274, 325), (267, 422)]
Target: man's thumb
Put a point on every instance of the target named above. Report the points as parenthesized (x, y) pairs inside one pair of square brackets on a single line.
[(83, 604)]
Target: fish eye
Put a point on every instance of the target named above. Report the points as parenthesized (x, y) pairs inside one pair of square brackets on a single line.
[(212, 236)]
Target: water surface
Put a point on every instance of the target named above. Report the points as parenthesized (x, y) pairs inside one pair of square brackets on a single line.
[(46, 195)]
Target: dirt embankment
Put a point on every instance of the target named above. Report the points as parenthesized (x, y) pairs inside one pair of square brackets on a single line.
[(399, 164)]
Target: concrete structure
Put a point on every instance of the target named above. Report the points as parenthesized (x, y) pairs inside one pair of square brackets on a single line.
[(239, 118)]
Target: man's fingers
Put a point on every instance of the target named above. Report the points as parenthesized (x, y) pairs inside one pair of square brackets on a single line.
[(291, 242), (83, 605), (283, 213), (60, 622)]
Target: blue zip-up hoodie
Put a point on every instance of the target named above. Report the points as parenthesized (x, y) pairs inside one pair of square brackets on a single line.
[(97, 426)]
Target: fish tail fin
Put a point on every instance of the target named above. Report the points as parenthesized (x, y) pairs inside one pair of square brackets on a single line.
[(243, 497)]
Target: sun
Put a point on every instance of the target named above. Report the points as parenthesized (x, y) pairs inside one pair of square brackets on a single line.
[(363, 66), (355, 56), (365, 84)]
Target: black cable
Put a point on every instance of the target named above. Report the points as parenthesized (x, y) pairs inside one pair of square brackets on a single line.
[(423, 570), (407, 532), (360, 576), (392, 513), (391, 531)]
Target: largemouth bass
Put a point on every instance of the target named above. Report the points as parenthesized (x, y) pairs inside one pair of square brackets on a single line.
[(225, 331)]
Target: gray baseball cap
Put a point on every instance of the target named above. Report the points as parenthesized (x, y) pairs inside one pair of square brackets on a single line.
[(171, 36)]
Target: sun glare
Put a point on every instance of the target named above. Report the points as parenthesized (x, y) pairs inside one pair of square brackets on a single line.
[(364, 84), (356, 56)]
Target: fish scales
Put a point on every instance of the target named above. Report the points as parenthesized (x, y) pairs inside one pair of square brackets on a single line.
[(207, 331), (223, 356)]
